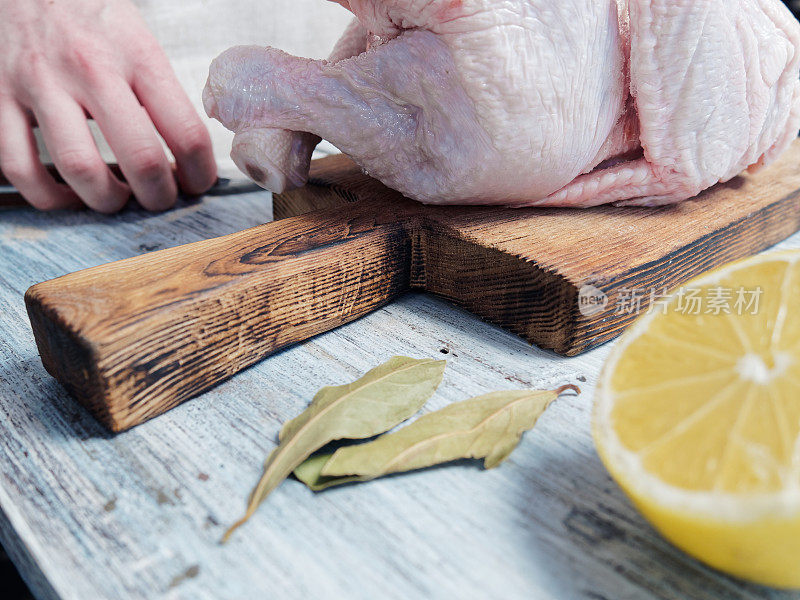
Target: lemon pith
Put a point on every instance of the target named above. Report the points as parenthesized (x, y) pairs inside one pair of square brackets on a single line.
[(697, 416)]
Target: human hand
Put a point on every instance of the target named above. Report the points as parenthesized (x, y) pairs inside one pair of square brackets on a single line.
[(61, 61)]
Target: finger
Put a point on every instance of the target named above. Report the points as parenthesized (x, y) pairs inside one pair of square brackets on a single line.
[(74, 152), (178, 123), (20, 164), (132, 137)]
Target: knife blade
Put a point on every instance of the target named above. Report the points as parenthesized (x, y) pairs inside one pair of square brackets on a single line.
[(228, 184)]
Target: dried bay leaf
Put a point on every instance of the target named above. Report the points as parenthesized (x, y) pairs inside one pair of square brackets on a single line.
[(310, 473), (384, 397), (488, 427)]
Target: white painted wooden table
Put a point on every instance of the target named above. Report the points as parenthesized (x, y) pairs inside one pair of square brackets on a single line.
[(87, 515)]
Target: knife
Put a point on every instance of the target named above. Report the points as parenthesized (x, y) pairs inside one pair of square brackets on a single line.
[(228, 185)]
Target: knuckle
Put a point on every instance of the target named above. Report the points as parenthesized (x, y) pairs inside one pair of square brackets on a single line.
[(33, 61), (147, 162), (79, 164), (34, 72), (90, 59), (194, 140), (150, 56)]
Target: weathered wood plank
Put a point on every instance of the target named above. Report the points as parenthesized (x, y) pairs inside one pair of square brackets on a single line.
[(139, 514), (88, 515)]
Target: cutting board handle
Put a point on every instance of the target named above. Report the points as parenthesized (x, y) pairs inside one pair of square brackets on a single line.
[(133, 338)]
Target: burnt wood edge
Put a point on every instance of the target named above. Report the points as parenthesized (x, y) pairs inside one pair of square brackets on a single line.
[(524, 283), (68, 357), (715, 246), (498, 286)]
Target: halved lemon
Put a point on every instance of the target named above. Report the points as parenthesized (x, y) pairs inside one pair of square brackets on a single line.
[(697, 417)]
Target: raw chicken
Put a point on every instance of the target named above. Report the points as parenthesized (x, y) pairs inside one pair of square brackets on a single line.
[(526, 102)]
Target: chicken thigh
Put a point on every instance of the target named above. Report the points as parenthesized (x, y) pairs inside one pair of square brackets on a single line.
[(525, 102)]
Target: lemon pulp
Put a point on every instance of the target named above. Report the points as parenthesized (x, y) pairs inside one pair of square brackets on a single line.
[(697, 416)]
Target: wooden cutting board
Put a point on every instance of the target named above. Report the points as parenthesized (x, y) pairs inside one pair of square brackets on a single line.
[(134, 338)]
